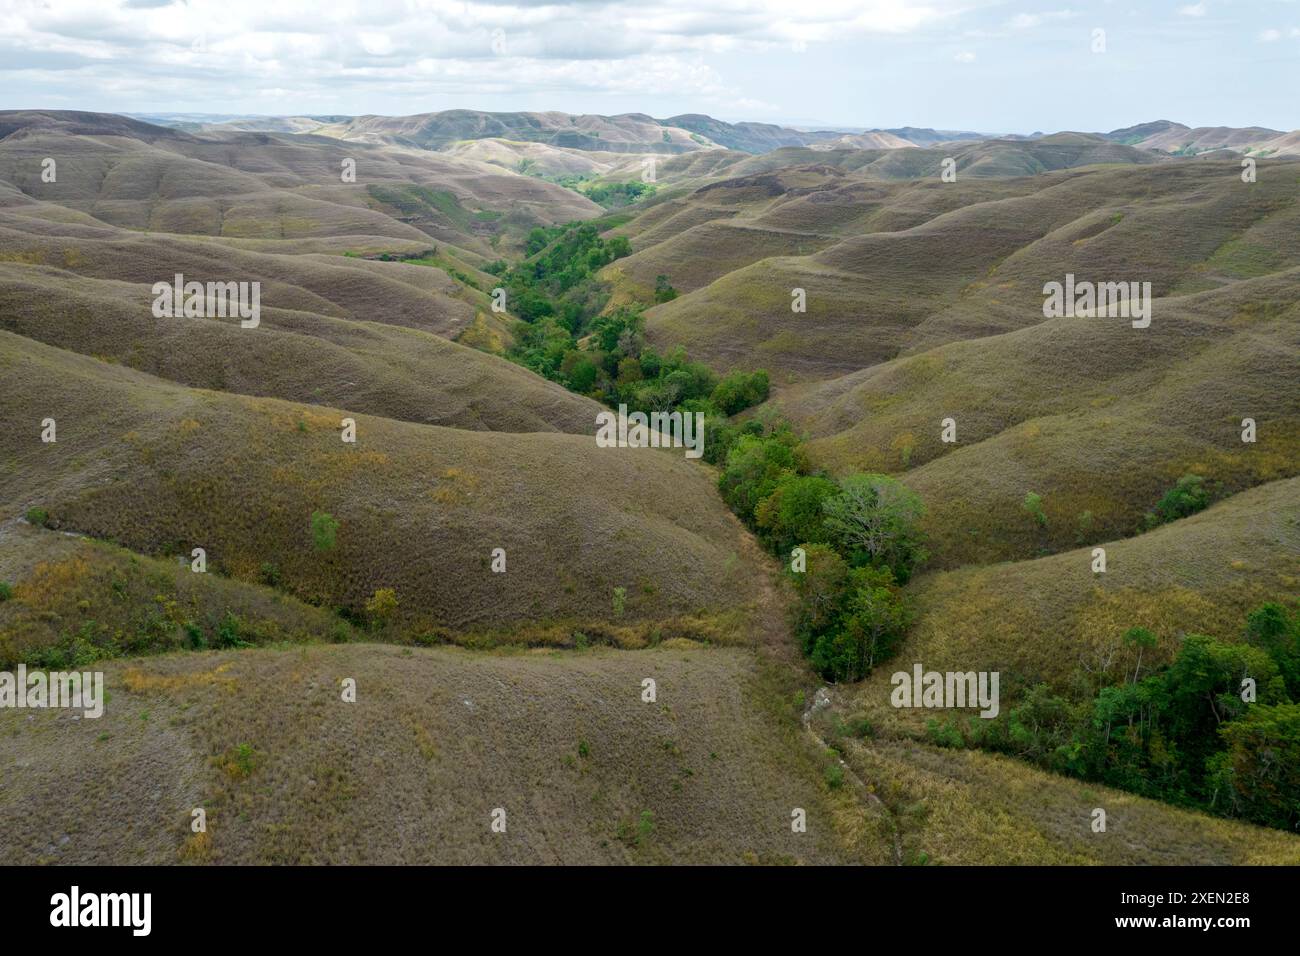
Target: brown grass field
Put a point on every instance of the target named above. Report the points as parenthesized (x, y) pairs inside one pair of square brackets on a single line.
[(522, 691)]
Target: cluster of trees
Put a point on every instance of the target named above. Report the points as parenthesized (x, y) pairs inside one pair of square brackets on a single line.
[(564, 338), (851, 544), (615, 195), (548, 286), (1218, 728), (1190, 494)]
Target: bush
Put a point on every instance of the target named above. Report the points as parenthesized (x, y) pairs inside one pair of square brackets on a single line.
[(229, 632), (269, 572), (37, 516), (740, 390), (323, 530), (664, 292), (381, 606), (1189, 495), (1033, 504), (6, 590)]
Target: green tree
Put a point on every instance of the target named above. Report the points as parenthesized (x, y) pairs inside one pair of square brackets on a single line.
[(821, 589), (740, 390), (1258, 774), (873, 622), (381, 606), (580, 371), (1275, 631), (874, 520), (1189, 495), (1142, 639), (792, 513), (754, 467)]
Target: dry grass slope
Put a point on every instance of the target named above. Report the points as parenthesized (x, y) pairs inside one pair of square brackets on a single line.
[(162, 469)]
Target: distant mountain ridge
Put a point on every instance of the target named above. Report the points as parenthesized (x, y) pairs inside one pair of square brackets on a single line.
[(639, 133)]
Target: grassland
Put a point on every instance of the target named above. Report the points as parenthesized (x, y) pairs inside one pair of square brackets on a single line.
[(916, 277), (163, 469), (412, 771), (923, 302)]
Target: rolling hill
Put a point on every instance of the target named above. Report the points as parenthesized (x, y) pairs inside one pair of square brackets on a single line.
[(377, 560), (162, 469)]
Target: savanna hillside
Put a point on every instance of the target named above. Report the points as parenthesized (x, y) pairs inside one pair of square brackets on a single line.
[(374, 561)]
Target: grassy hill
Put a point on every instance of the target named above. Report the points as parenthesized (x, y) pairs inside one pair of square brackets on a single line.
[(1039, 620), (162, 469), (373, 560), (586, 771), (305, 355), (271, 185), (625, 133), (973, 270), (1043, 410)]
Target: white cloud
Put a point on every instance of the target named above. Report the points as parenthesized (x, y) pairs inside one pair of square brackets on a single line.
[(1028, 21), (206, 50), (1270, 36), (965, 56), (1195, 9)]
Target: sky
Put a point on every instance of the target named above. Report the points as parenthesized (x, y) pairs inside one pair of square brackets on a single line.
[(993, 66)]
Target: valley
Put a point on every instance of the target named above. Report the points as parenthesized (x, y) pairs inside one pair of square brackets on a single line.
[(377, 403)]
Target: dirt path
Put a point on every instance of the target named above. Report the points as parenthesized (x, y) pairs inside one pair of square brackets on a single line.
[(776, 640)]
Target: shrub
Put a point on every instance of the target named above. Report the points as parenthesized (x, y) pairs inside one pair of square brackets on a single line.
[(664, 292), (323, 530), (37, 516), (194, 637), (269, 572), (645, 827), (240, 761), (1033, 504), (229, 632), (620, 601), (1189, 495), (381, 606), (6, 590), (740, 390)]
